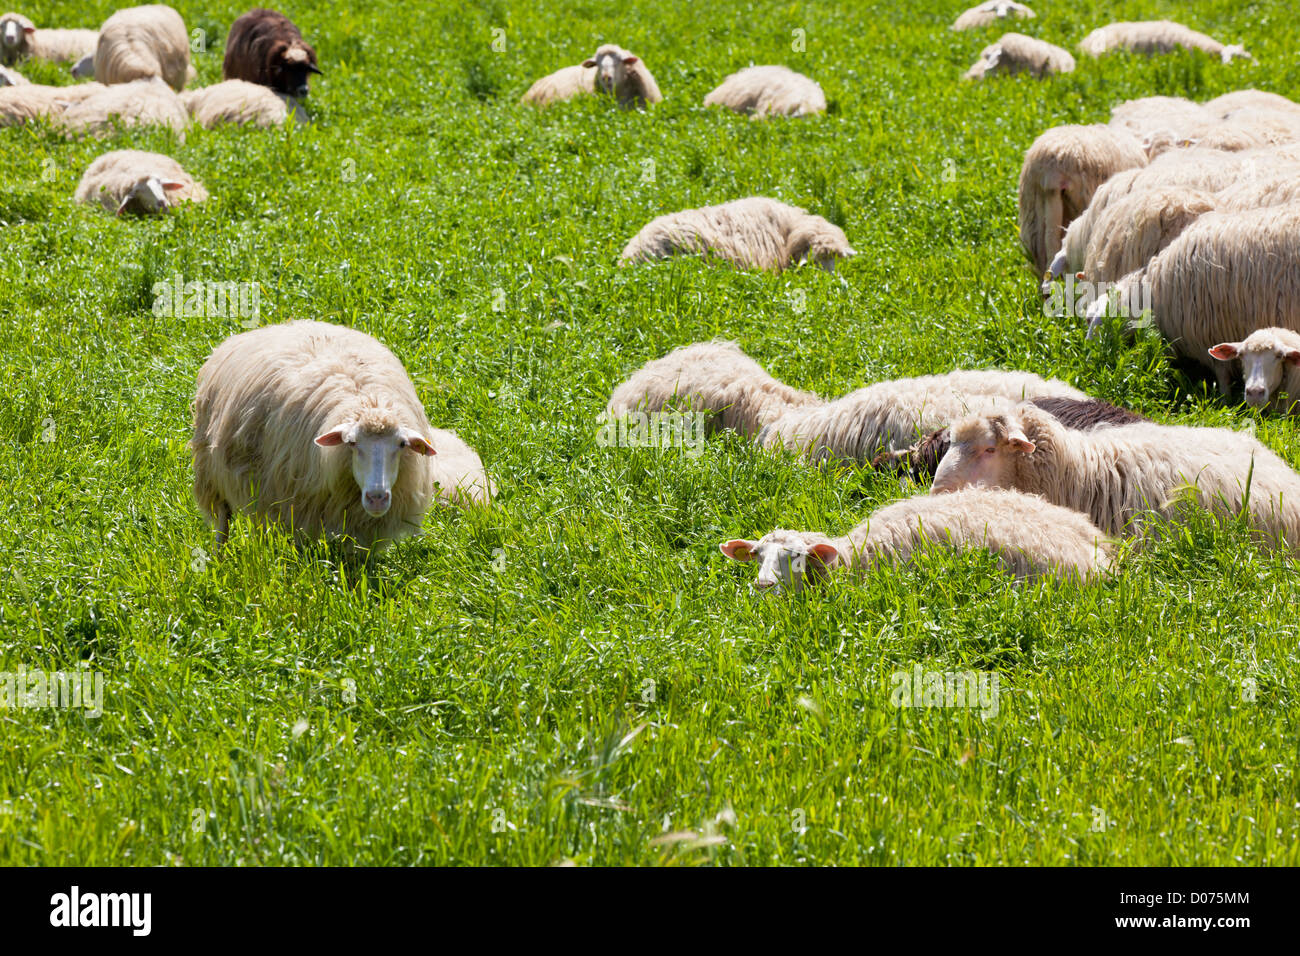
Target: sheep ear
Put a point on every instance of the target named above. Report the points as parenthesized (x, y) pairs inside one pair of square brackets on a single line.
[(1018, 440), (1226, 351), (418, 443), (313, 68), (825, 554), (29, 30), (332, 436), (739, 549), (588, 63), (172, 185), (122, 207), (629, 60), (1292, 357)]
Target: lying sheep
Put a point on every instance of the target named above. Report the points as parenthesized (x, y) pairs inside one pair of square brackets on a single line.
[(139, 43), (990, 12), (1028, 535), (132, 181), (10, 77), (20, 38), (238, 102), (1151, 114), (140, 103), (32, 101), (1016, 53), (769, 91), (1061, 171), (611, 70), (1156, 36), (317, 428), (1113, 474), (264, 47), (753, 233), (1270, 362), (1229, 103)]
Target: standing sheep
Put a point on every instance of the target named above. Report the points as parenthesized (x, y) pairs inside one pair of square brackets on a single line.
[(611, 70), (123, 105), (1156, 36), (1113, 474), (238, 102), (20, 38), (317, 428), (763, 91), (990, 12), (129, 180), (1028, 535), (1270, 363), (264, 47), (754, 233), (139, 43), (1016, 53)]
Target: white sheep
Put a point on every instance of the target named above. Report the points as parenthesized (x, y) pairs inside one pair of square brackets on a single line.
[(238, 102), (142, 42), (10, 77), (1029, 536), (1016, 53), (317, 428), (130, 180), (769, 91), (1062, 169), (33, 101), (1113, 474), (754, 233), (1229, 103), (611, 70), (1156, 36), (123, 105), (990, 12), (1270, 363), (19, 38)]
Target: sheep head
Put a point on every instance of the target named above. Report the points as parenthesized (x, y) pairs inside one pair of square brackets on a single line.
[(983, 453), (377, 443), (15, 30), (787, 560), (612, 64), (149, 196), (290, 66), (1265, 357)]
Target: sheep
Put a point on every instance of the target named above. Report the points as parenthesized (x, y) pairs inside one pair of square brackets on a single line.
[(1062, 169), (921, 460), (129, 180), (611, 70), (990, 12), (1270, 361), (237, 101), (32, 101), (1113, 474), (561, 85), (138, 43), (317, 428), (769, 91), (749, 233), (1229, 103), (1156, 36), (1029, 536), (139, 103), (1150, 113), (10, 77), (264, 47), (20, 38), (1228, 274), (1016, 53)]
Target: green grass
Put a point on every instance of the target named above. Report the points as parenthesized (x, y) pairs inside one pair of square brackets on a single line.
[(578, 670)]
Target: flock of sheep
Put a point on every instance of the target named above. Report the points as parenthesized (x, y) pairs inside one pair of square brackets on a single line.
[(318, 428)]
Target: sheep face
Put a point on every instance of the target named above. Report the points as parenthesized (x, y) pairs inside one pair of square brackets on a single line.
[(982, 454), (84, 68), (13, 38), (148, 196), (376, 459), (291, 67), (611, 69), (1234, 51), (787, 560), (1264, 362)]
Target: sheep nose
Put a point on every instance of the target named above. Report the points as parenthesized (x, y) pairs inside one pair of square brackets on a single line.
[(1255, 394), (301, 91), (377, 500), (764, 585)]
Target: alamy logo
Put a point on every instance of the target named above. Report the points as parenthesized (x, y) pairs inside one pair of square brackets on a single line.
[(102, 909), (37, 690), (921, 688), (209, 300), (660, 430), (1075, 297)]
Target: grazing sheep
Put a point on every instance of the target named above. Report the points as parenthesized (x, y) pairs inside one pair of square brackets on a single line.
[(123, 105), (239, 102), (754, 233), (264, 47), (1270, 362), (769, 91), (611, 70), (10, 77), (1029, 536), (1016, 53), (1272, 189), (1113, 474), (317, 428), (922, 459), (990, 12), (20, 38), (31, 101), (1156, 36), (139, 43), (1224, 106), (1228, 274), (129, 180), (1061, 171)]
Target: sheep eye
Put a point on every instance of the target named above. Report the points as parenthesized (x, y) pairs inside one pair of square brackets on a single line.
[(402, 444)]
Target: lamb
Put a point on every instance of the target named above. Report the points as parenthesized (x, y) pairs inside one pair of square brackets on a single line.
[(240, 102), (1016, 53), (129, 180), (264, 47), (1156, 36), (1061, 171), (140, 103), (1113, 474), (763, 91), (990, 12), (1270, 361), (749, 233), (138, 43), (317, 428), (612, 70), (1029, 536), (20, 38), (32, 101), (10, 77)]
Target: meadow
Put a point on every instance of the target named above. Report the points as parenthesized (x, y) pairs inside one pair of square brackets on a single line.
[(577, 674)]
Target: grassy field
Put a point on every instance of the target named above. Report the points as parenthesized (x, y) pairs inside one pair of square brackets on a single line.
[(577, 672)]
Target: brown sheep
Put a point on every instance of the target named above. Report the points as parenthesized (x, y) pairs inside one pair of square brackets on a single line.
[(264, 47)]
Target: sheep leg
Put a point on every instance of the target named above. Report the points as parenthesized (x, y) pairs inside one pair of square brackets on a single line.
[(223, 523)]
